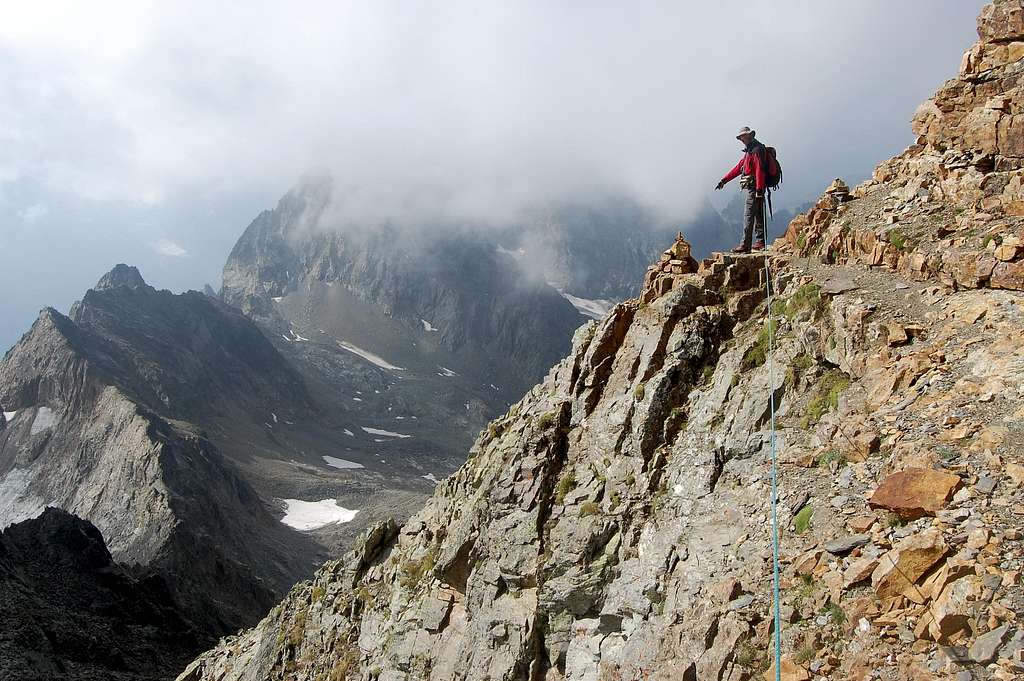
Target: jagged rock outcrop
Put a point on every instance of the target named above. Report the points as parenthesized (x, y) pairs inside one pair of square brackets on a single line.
[(68, 611), (518, 553), (614, 524), (951, 207)]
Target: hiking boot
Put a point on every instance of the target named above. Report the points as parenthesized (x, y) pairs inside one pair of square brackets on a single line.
[(758, 246), (742, 248)]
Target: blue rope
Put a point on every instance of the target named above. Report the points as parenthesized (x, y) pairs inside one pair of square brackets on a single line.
[(775, 466)]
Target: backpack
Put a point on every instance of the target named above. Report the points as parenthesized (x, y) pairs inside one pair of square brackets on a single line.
[(772, 168), (773, 174)]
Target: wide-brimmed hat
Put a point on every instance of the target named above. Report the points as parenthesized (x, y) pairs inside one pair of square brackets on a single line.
[(745, 131)]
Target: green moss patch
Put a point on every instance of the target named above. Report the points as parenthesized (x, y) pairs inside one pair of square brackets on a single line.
[(825, 397)]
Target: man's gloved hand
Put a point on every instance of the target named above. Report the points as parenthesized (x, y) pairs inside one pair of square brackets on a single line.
[(721, 183)]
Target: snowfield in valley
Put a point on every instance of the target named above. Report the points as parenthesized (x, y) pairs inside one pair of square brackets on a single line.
[(309, 515), (385, 433), (369, 356), (335, 462)]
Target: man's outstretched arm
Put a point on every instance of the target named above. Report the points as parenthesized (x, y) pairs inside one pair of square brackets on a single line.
[(730, 175)]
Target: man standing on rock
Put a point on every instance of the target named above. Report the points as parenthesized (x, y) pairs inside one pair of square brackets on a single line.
[(752, 172)]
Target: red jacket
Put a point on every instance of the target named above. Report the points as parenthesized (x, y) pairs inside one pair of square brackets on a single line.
[(752, 163)]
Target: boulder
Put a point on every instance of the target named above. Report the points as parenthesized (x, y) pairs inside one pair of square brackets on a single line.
[(858, 570), (987, 645), (1008, 275), (844, 545), (899, 569), (790, 671), (915, 492), (953, 610)]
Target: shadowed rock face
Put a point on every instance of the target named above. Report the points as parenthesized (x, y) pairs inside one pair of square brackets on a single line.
[(68, 611), (615, 523)]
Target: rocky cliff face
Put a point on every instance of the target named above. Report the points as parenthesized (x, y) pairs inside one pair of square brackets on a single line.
[(614, 524), (420, 335)]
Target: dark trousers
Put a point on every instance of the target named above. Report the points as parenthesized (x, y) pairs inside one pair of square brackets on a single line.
[(753, 218)]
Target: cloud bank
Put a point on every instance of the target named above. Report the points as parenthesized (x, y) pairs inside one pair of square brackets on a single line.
[(124, 122), (457, 107)]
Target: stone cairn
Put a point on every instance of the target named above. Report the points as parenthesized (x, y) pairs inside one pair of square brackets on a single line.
[(838, 191), (674, 263)]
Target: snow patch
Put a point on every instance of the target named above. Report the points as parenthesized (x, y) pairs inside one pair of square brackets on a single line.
[(596, 309), (349, 433), (292, 336), (369, 356), (335, 462), (358, 399), (278, 299), (309, 515), (427, 326), (44, 420), (430, 477), (446, 372), (273, 416), (16, 503), (386, 433), (9, 415)]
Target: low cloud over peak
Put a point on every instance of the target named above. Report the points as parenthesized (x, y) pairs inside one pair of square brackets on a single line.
[(168, 247), (462, 107), (131, 119)]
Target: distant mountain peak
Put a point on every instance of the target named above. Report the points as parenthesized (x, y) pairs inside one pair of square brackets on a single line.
[(121, 275)]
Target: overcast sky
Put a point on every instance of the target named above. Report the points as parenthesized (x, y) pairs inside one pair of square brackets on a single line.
[(152, 133)]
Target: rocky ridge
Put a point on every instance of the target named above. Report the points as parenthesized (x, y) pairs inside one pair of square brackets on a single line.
[(614, 523), (949, 209), (100, 419)]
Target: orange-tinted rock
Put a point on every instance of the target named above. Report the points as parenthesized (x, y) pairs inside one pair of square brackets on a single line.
[(915, 492), (791, 671), (1001, 21), (1008, 275), (899, 569)]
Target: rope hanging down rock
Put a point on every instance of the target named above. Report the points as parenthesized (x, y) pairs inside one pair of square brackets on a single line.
[(775, 459)]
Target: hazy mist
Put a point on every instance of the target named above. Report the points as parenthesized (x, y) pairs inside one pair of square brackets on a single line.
[(154, 132)]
